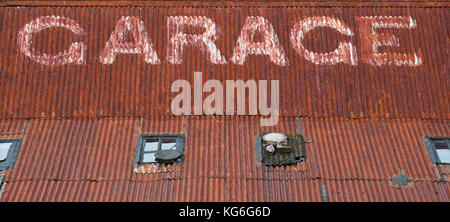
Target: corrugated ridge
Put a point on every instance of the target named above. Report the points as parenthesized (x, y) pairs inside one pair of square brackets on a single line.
[(217, 147), (230, 3), (77, 149), (216, 189), (131, 88)]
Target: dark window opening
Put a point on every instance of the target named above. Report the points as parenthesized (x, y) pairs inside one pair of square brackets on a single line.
[(9, 149), (159, 149), (438, 149), (276, 149)]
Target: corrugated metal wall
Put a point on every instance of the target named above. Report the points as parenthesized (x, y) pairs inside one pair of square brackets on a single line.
[(81, 159), (80, 123), (131, 88)]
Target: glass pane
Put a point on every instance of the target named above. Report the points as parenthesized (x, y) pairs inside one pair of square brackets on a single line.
[(4, 148), (149, 158), (444, 155), (168, 145), (151, 146)]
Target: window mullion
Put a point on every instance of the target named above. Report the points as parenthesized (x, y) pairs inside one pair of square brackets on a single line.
[(144, 141)]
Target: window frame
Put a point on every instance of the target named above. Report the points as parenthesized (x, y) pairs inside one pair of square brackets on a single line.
[(140, 149), (300, 150), (13, 152), (431, 148), (2, 184)]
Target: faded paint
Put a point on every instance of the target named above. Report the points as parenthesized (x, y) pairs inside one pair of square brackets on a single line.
[(371, 40), (346, 52), (177, 39), (142, 43), (93, 157), (153, 168), (130, 86), (74, 55), (247, 46)]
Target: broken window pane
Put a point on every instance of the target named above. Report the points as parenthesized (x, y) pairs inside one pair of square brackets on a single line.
[(168, 145), (4, 148)]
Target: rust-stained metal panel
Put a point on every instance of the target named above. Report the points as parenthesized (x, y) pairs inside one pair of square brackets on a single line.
[(216, 189), (93, 160), (77, 149), (45, 190), (11, 129), (129, 87), (364, 119), (231, 3)]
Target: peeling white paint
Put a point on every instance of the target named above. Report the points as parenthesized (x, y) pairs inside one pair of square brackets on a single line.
[(153, 168), (142, 43), (177, 39), (74, 55), (371, 40), (247, 46), (345, 52)]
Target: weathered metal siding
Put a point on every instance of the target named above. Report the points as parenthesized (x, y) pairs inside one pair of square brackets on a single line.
[(99, 149), (93, 160), (10, 129), (131, 88), (222, 190)]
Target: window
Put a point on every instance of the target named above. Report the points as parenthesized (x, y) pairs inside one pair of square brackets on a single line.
[(438, 149), (9, 150), (2, 185), (274, 149), (159, 149)]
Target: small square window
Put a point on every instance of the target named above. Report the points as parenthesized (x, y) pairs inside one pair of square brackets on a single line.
[(438, 149), (159, 149), (8, 153), (275, 149)]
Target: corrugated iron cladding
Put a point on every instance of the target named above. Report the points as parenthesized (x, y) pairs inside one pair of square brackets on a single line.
[(132, 88), (77, 150), (12, 127), (93, 160), (217, 189)]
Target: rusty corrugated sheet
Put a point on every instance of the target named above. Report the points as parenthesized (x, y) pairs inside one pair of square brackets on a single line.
[(230, 3), (75, 149), (9, 129), (93, 160), (131, 88), (216, 189), (80, 123)]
